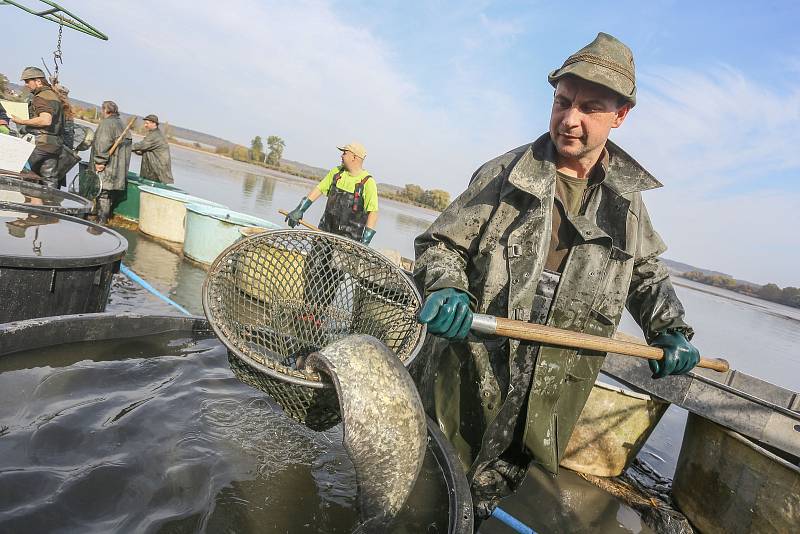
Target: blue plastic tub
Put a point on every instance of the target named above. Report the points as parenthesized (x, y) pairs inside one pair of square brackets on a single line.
[(210, 230)]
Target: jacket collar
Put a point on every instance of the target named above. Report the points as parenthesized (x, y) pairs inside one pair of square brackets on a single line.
[(534, 170)]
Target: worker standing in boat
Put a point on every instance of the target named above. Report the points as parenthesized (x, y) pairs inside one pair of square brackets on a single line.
[(154, 149), (112, 170), (553, 232), (352, 206), (46, 123)]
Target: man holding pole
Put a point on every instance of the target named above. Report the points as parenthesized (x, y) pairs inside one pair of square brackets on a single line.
[(553, 232), (111, 157)]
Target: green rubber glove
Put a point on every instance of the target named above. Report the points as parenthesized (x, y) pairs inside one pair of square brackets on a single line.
[(4, 129), (680, 356), (367, 236), (447, 313), (293, 219)]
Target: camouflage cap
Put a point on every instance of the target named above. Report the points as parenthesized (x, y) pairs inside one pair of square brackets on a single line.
[(31, 73), (605, 61), (151, 118)]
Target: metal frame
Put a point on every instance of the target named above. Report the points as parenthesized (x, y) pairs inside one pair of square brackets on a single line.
[(59, 15), (758, 409), (317, 384)]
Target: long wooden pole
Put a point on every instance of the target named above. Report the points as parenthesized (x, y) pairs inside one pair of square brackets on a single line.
[(301, 221), (523, 331), (119, 139), (566, 338)]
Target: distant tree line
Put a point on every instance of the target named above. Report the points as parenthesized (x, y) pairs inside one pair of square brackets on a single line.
[(256, 152), (414, 194), (790, 296)]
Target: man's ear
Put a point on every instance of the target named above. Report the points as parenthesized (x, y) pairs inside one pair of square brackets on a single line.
[(619, 118)]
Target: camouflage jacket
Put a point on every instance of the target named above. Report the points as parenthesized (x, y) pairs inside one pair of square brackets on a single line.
[(156, 162), (492, 242)]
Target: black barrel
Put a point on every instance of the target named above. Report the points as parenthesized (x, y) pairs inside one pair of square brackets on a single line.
[(15, 191), (39, 334), (54, 264)]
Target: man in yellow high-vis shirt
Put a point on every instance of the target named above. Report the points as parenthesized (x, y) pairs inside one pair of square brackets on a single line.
[(352, 206)]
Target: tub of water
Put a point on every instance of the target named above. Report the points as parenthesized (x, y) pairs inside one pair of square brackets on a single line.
[(162, 212), (124, 423), (128, 208), (210, 230), (14, 191), (54, 264)]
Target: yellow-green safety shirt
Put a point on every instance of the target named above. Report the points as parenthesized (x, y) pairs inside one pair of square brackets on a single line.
[(348, 182)]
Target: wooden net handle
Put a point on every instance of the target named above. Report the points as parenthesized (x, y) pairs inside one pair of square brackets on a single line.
[(566, 338)]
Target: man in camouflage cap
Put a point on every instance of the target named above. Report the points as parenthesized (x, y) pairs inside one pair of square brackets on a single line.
[(553, 232), (154, 149), (46, 122)]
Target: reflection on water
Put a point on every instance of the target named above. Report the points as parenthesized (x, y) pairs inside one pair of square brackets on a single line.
[(29, 234), (178, 278), (262, 192), (565, 504), (154, 434)]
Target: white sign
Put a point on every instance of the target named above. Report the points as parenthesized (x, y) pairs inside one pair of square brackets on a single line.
[(19, 109), (14, 152)]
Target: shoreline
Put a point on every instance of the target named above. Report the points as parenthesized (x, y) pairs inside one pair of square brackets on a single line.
[(265, 171), (678, 281)]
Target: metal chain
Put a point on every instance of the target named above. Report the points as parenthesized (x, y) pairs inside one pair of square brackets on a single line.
[(57, 58)]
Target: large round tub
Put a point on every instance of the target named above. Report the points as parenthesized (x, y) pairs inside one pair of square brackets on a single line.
[(14, 191), (54, 264), (210, 230), (162, 213), (129, 207), (136, 423)]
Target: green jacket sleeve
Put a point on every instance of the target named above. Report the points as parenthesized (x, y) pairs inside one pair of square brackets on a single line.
[(652, 300), (443, 251), (150, 142), (103, 140)]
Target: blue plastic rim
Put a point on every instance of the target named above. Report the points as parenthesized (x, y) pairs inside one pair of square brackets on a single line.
[(230, 216), (176, 195)]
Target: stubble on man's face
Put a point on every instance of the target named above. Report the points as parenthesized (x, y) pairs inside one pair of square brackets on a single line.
[(582, 117)]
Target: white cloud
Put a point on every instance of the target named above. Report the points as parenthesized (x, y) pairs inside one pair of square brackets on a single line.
[(716, 140), (311, 74)]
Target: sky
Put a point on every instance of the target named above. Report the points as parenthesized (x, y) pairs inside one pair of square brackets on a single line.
[(434, 89)]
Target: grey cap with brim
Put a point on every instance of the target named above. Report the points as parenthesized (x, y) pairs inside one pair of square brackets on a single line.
[(605, 61), (31, 73)]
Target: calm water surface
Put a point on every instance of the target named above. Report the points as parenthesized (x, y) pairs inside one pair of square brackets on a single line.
[(155, 434), (757, 337)]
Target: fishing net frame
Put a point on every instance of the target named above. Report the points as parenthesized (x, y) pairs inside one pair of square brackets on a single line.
[(277, 296)]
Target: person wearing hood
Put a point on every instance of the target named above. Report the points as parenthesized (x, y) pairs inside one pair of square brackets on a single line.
[(553, 232)]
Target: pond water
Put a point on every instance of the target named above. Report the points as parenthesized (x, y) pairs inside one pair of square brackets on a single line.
[(155, 434)]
